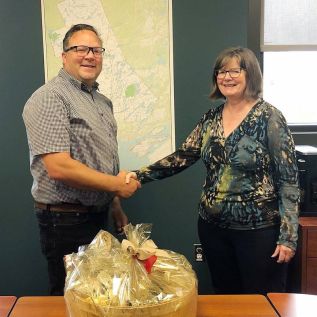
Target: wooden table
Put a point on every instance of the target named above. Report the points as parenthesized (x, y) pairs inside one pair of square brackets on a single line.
[(6, 304), (40, 306), (234, 306), (294, 305), (208, 306)]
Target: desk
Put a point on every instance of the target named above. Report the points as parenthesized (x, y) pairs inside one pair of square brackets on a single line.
[(308, 254), (40, 306), (234, 306), (294, 305), (208, 306), (6, 303)]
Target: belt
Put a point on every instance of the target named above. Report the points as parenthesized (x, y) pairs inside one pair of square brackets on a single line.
[(65, 207)]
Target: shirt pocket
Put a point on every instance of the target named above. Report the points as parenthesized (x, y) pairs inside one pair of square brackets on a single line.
[(80, 128)]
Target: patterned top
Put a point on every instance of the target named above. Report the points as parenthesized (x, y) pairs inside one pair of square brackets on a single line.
[(252, 176), (64, 116)]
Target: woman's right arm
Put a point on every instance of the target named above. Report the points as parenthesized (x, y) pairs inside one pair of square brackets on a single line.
[(176, 162)]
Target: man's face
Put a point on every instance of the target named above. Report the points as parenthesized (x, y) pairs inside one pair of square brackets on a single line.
[(87, 68)]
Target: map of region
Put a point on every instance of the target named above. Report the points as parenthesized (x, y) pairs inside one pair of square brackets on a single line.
[(137, 70)]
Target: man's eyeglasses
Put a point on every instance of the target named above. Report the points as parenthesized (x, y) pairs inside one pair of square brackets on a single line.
[(233, 72), (83, 50)]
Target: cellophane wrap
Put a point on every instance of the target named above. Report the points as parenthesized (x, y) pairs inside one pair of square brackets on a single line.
[(113, 279)]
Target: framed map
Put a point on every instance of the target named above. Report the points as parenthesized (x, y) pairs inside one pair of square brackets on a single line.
[(137, 70)]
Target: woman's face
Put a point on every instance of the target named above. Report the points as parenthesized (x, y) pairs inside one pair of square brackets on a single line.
[(231, 79)]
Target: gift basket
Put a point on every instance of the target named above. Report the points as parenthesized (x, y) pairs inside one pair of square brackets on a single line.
[(129, 279)]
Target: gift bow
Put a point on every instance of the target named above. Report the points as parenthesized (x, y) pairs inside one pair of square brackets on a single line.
[(147, 252)]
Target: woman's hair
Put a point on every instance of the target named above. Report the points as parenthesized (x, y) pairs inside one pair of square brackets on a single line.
[(248, 62), (75, 28)]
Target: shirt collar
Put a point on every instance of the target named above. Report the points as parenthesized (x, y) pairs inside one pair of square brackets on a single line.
[(80, 85)]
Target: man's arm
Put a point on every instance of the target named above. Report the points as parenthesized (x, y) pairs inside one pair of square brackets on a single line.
[(61, 167)]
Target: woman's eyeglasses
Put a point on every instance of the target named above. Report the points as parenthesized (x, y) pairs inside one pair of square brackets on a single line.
[(233, 72)]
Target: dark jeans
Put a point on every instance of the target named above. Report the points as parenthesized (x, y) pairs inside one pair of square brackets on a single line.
[(62, 233), (240, 261)]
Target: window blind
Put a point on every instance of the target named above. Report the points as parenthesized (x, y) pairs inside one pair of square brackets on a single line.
[(289, 25)]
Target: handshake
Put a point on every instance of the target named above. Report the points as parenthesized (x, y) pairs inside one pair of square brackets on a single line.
[(128, 184)]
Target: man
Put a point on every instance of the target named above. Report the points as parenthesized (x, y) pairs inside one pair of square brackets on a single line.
[(73, 154)]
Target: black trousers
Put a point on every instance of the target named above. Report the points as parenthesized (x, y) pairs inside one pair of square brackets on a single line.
[(62, 233), (240, 261)]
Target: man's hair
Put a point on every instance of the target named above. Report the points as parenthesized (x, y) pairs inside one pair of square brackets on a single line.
[(75, 28), (248, 62)]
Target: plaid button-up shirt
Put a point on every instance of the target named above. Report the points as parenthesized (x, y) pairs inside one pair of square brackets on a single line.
[(64, 116)]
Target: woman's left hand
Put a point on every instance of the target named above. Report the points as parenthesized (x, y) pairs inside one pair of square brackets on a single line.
[(129, 176), (283, 253)]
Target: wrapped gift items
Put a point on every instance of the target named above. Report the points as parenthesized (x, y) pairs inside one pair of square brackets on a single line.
[(133, 278)]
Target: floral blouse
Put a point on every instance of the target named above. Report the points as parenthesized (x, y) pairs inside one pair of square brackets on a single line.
[(252, 176)]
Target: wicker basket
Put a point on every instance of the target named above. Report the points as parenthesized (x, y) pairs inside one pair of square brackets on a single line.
[(106, 280), (176, 307)]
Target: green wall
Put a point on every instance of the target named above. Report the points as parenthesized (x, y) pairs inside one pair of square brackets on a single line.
[(201, 29)]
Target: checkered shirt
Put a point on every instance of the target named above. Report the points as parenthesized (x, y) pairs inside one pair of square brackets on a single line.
[(63, 116)]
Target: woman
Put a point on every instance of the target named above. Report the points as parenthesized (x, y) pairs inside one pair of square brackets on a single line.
[(248, 210)]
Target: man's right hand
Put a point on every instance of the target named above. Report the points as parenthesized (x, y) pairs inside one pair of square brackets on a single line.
[(126, 190)]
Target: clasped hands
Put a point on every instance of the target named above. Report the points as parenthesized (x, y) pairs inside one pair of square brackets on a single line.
[(129, 184)]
